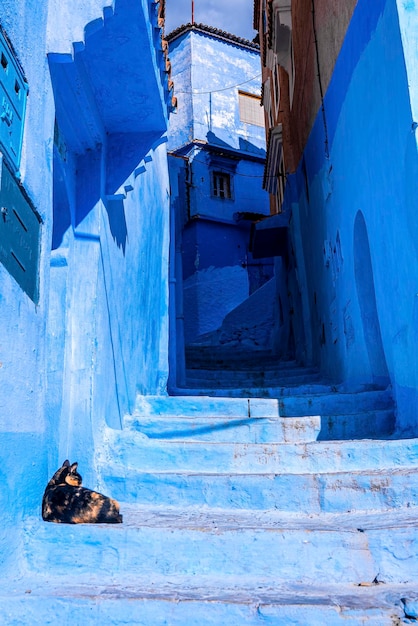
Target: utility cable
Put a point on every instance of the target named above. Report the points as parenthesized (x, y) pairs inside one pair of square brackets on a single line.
[(200, 93)]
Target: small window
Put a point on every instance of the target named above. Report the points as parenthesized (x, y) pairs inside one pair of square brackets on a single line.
[(250, 109), (222, 185)]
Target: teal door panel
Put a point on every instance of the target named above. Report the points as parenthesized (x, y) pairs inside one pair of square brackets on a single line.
[(20, 229), (13, 95)]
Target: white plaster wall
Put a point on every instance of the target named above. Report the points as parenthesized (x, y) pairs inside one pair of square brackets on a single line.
[(67, 21), (219, 70), (408, 22), (60, 375)]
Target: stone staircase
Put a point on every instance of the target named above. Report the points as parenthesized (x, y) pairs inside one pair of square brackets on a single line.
[(237, 514), (362, 412)]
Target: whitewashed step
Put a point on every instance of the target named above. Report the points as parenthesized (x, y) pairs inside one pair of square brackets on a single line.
[(344, 415), (311, 398), (135, 450), (340, 492), (260, 376), (185, 601), (371, 424), (323, 549), (225, 429), (190, 405), (333, 402), (215, 353), (274, 369)]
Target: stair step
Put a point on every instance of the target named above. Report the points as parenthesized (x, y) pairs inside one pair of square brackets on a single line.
[(135, 450), (261, 374), (293, 398), (285, 548), (252, 382), (368, 424), (333, 402), (339, 492), (239, 361), (272, 392), (182, 601), (190, 405), (226, 429), (235, 353), (363, 425)]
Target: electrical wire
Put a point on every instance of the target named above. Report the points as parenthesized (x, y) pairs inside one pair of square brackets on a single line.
[(199, 93), (235, 173)]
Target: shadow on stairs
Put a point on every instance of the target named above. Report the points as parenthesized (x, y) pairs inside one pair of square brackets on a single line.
[(363, 412)]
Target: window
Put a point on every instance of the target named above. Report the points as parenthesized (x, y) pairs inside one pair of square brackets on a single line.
[(221, 185), (250, 109)]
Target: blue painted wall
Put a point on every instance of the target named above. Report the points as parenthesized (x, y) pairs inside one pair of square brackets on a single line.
[(208, 69), (95, 166), (354, 221)]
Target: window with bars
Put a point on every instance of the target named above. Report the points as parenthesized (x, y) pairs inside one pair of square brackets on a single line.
[(250, 109), (221, 185)]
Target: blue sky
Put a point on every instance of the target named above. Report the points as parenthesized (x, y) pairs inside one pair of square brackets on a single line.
[(234, 16)]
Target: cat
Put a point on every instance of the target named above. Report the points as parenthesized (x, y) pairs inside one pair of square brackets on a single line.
[(65, 501)]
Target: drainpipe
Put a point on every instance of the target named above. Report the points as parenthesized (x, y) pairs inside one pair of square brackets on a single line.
[(177, 374)]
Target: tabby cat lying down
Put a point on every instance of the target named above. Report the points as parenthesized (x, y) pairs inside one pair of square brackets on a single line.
[(65, 501)]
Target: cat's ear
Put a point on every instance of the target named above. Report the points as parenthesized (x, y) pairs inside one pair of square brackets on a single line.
[(73, 467), (66, 463)]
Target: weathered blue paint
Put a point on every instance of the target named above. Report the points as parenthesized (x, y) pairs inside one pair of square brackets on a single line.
[(94, 166), (95, 348), (14, 91), (355, 235), (209, 69)]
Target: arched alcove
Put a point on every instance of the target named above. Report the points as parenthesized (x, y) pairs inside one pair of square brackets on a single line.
[(363, 271)]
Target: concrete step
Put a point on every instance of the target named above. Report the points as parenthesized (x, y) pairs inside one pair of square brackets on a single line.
[(335, 492), (247, 391), (208, 352), (256, 381), (294, 397), (225, 429), (293, 548), (333, 402), (136, 451), (375, 424), (239, 361), (367, 424), (190, 405), (310, 399), (263, 375), (185, 601)]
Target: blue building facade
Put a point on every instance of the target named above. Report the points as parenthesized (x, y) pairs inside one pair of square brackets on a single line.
[(216, 155), (277, 499), (84, 234), (351, 191)]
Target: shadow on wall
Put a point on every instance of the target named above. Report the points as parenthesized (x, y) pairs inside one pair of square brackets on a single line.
[(363, 272), (109, 115), (244, 145)]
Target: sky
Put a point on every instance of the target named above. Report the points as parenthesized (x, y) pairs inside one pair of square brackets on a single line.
[(234, 16)]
